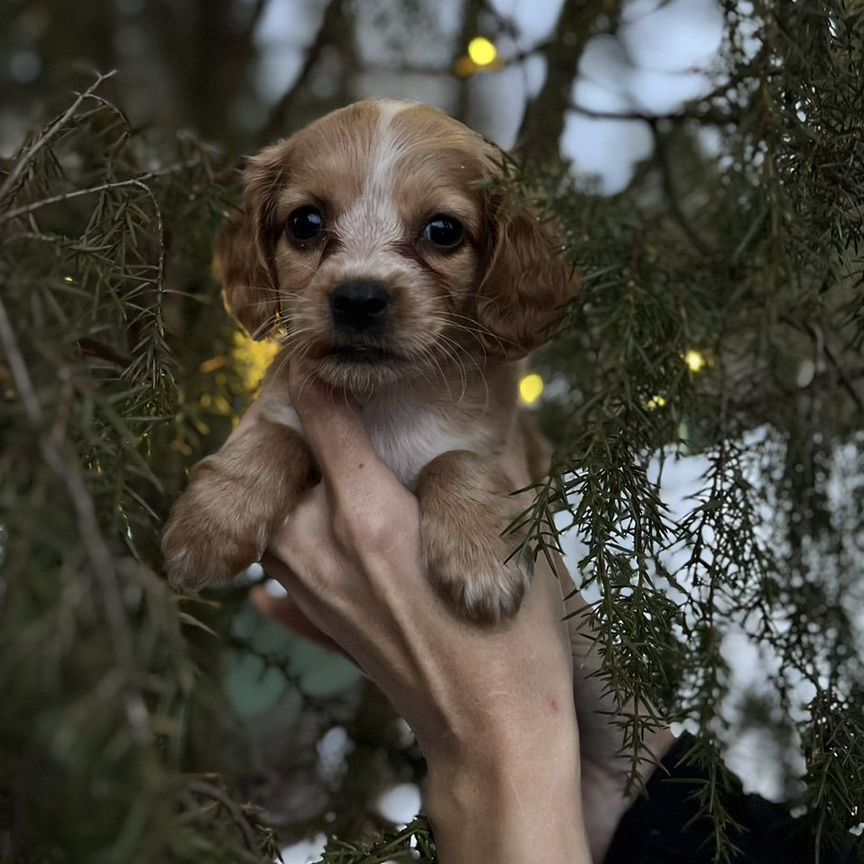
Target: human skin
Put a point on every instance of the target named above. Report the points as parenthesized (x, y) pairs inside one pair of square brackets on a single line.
[(493, 708)]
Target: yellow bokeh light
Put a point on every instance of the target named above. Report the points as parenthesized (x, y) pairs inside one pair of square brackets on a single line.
[(253, 358), (213, 364), (482, 51), (695, 360), (656, 402), (531, 389)]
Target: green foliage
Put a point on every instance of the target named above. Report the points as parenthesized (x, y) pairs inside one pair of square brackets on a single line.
[(411, 843), (755, 259), (113, 727), (106, 692)]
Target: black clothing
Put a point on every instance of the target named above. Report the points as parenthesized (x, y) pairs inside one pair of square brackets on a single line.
[(655, 829)]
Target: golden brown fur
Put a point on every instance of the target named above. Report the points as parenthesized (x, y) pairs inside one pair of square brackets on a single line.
[(437, 381)]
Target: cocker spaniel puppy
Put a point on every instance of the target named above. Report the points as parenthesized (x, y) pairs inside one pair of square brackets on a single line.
[(378, 246)]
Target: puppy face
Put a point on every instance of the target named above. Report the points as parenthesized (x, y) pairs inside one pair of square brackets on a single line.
[(372, 242)]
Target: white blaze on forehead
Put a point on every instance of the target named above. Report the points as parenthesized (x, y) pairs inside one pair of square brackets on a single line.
[(372, 223)]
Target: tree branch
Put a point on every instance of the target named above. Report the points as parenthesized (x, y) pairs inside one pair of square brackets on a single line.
[(673, 116), (46, 137), (93, 348), (330, 26), (543, 122), (671, 193), (88, 525), (139, 181), (208, 790), (822, 345), (255, 19)]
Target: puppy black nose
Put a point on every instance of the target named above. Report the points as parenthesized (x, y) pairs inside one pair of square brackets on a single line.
[(360, 305)]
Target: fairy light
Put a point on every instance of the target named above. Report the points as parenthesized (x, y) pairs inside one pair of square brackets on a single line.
[(482, 51), (656, 402), (695, 360), (531, 388)]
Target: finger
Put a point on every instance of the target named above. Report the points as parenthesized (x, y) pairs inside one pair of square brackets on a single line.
[(306, 593), (303, 541), (286, 611), (334, 429), (321, 617)]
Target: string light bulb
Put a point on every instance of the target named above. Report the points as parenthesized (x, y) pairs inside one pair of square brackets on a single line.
[(531, 389), (482, 51), (695, 360)]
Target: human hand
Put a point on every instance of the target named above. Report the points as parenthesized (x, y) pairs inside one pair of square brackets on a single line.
[(492, 709)]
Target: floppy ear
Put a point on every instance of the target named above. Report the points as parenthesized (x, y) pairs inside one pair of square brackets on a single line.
[(527, 284), (244, 261)]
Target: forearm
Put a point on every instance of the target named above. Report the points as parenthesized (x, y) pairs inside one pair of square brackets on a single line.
[(515, 803)]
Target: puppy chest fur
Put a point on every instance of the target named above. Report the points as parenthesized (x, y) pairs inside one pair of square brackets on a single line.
[(408, 433)]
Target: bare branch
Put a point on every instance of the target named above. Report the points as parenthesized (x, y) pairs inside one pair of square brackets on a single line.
[(704, 116), (47, 136), (208, 790), (255, 18), (671, 193), (94, 348), (543, 122), (821, 344), (330, 26)]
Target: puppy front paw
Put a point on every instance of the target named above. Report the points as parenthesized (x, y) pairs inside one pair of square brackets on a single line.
[(210, 536), (473, 573), (199, 557), (465, 506)]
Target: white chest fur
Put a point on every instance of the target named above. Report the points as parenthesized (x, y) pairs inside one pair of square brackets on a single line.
[(407, 434)]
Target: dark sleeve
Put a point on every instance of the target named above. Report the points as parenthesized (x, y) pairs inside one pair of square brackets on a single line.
[(664, 827)]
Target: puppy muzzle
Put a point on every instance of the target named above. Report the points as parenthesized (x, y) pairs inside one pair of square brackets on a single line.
[(360, 306)]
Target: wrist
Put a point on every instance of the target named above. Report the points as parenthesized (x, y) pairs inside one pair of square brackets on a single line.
[(509, 798), (503, 743)]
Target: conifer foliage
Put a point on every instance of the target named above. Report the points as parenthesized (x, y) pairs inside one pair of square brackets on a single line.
[(721, 319), (100, 680)]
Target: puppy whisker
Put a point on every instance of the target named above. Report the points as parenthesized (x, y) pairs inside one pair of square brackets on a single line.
[(445, 346)]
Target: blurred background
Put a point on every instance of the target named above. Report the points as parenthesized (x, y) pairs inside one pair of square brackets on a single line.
[(649, 114), (243, 73)]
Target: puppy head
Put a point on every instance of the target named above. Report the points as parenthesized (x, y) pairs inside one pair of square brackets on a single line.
[(376, 243)]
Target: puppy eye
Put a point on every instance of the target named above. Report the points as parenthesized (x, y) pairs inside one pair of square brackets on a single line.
[(305, 224), (444, 232)]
